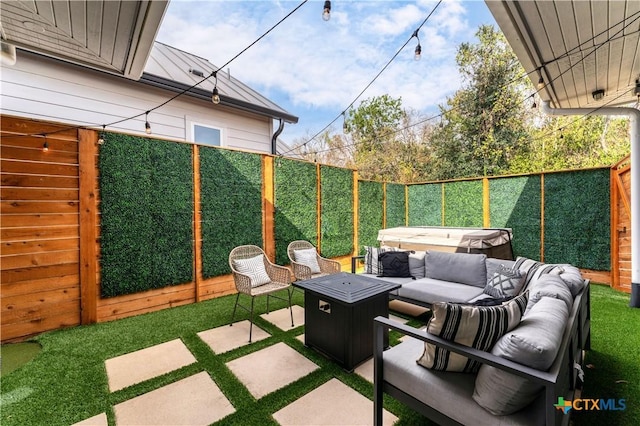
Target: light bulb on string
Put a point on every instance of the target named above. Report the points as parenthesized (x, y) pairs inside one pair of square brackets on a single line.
[(344, 123), (326, 11), (533, 105), (147, 126), (45, 145), (540, 83), (215, 95), (101, 135), (418, 52)]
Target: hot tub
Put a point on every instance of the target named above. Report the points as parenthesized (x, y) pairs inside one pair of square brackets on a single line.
[(494, 242)]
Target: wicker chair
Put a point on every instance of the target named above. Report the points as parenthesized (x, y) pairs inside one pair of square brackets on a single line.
[(303, 272), (279, 275)]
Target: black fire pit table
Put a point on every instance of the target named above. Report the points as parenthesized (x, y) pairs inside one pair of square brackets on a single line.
[(339, 312)]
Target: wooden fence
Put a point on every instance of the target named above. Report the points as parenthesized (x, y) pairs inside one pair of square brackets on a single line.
[(50, 232), (621, 225)]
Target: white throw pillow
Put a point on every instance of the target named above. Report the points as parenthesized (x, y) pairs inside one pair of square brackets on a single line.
[(254, 269), (535, 343), (308, 257)]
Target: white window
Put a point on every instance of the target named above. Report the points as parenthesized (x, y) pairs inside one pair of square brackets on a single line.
[(206, 135)]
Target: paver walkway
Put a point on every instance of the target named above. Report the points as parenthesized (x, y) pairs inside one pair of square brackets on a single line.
[(197, 400)]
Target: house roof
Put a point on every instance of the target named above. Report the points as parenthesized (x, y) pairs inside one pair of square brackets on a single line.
[(177, 70), (114, 36), (577, 47)]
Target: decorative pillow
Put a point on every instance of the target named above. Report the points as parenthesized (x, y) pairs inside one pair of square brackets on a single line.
[(476, 326), (533, 269), (394, 264), (504, 283), (308, 257), (535, 343), (464, 268), (254, 269), (549, 286), (371, 261), (493, 264), (416, 263)]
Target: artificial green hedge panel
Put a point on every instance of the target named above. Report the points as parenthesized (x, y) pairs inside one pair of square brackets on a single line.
[(425, 204), (336, 214), (514, 203), (577, 212), (231, 205), (296, 205), (369, 213), (463, 203), (396, 205), (146, 205)]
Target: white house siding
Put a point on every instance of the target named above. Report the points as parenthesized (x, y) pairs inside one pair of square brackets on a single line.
[(42, 88)]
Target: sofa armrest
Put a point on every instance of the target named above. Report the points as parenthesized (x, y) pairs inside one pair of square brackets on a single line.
[(354, 260)]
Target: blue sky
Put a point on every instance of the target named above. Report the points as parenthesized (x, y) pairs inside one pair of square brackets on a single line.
[(315, 69)]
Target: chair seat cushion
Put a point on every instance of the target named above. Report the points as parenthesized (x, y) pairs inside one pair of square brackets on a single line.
[(308, 257), (254, 268)]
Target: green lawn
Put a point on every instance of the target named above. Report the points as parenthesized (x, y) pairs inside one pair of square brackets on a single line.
[(66, 382)]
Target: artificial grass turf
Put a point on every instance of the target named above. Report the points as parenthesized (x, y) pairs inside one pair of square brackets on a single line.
[(67, 381)]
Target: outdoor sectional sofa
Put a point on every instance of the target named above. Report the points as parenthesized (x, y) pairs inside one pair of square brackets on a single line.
[(516, 378)]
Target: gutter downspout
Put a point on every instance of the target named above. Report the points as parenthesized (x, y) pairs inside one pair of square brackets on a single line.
[(274, 138), (634, 134)]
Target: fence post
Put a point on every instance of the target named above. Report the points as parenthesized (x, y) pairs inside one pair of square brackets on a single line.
[(197, 223), (268, 207), (486, 203)]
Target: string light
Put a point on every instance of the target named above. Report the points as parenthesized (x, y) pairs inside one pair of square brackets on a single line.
[(326, 11), (540, 83), (418, 51), (147, 126), (45, 145), (101, 136), (344, 122), (215, 95), (533, 105)]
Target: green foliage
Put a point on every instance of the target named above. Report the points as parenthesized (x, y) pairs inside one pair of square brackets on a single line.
[(577, 219), (425, 204), (336, 215), (396, 205), (231, 205), (463, 203), (296, 205), (515, 202), (146, 193), (370, 220)]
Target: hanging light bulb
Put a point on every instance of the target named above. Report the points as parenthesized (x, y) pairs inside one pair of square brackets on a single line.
[(533, 105), (540, 83), (147, 126), (215, 95), (45, 145), (326, 11), (418, 51), (344, 123), (101, 135)]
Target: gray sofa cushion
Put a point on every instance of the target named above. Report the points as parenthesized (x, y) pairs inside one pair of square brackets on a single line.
[(549, 286), (505, 282), (572, 277), (464, 268), (416, 264), (534, 342), (429, 290), (438, 389)]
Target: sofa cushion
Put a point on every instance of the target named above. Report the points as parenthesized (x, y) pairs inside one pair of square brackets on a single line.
[(493, 264), (372, 261), (549, 286), (474, 326), (308, 257), (534, 270), (416, 263), (505, 282), (572, 277), (254, 269), (394, 264), (464, 268), (429, 290), (535, 343)]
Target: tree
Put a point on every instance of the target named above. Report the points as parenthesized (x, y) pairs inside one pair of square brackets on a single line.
[(484, 123)]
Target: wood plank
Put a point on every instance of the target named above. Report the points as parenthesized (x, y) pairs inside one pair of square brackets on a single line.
[(149, 301), (268, 207), (22, 330), (38, 246), (27, 274), (36, 220), (22, 207), (38, 181), (153, 308), (603, 277), (9, 193), (197, 221), (23, 302), (38, 285), (33, 154), (88, 256), (31, 260), (21, 125), (39, 233), (41, 311), (38, 168), (35, 142)]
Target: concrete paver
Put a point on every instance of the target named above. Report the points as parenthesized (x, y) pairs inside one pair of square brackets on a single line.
[(225, 338), (282, 318)]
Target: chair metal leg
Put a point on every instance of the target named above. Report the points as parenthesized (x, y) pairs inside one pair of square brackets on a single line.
[(290, 292), (233, 315), (251, 319)]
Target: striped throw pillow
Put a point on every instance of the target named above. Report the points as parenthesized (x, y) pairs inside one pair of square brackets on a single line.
[(478, 327), (372, 263), (254, 268)]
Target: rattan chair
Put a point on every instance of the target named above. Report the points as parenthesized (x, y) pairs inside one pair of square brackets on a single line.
[(279, 275), (303, 272)]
